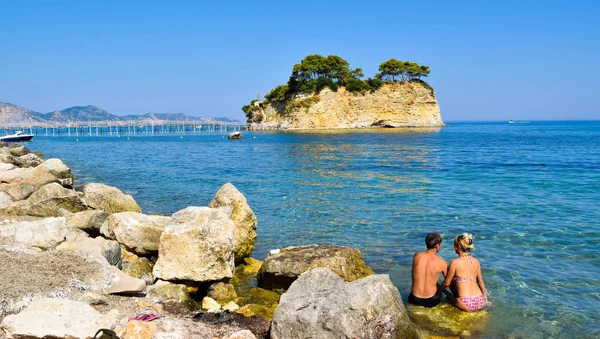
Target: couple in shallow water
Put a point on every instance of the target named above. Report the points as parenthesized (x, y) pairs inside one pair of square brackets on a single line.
[(463, 276)]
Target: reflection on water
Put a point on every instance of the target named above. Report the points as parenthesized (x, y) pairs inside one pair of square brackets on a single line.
[(529, 194)]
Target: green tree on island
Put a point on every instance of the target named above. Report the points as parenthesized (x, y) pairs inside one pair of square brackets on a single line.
[(396, 70), (315, 72)]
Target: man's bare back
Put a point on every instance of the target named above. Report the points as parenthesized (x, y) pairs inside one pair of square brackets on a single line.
[(426, 269)]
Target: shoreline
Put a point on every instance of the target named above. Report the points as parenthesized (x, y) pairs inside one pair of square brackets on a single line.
[(115, 234)]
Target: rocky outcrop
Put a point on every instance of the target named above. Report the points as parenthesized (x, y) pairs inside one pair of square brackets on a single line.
[(197, 245), (109, 199), (321, 305), (279, 270), (56, 318), (243, 217), (139, 233), (411, 104)]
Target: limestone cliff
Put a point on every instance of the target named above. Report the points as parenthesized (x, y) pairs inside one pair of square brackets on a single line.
[(411, 104)]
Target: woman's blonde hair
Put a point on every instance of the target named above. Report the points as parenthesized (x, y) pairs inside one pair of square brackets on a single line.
[(464, 242)]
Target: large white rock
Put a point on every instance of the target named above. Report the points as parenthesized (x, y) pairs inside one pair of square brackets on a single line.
[(44, 233), (56, 318), (243, 217), (109, 199), (197, 245), (321, 305), (139, 233)]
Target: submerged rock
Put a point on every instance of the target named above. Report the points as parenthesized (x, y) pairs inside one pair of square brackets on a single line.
[(235, 136), (321, 305), (56, 318), (109, 199), (281, 269), (139, 233), (243, 217), (197, 245)]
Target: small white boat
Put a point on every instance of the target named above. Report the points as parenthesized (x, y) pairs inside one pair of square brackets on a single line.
[(511, 122), (18, 136)]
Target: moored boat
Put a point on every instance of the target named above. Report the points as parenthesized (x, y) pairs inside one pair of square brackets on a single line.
[(18, 136)]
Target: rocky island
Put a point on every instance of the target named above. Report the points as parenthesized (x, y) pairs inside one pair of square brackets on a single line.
[(324, 93)]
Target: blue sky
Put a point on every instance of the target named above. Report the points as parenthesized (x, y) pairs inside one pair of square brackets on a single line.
[(490, 60)]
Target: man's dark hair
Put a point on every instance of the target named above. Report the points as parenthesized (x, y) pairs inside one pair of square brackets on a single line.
[(432, 239)]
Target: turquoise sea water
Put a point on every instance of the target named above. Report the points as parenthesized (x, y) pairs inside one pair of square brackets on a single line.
[(530, 194)]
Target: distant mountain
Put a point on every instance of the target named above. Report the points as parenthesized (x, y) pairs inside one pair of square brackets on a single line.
[(81, 113), (13, 114)]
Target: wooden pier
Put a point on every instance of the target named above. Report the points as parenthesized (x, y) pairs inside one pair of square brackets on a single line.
[(118, 128)]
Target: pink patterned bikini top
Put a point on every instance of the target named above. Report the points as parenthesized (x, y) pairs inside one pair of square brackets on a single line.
[(457, 279)]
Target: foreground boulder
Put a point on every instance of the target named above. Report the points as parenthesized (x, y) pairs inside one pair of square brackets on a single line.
[(197, 245), (56, 318), (281, 269), (109, 199), (48, 201), (321, 305), (139, 233), (44, 233), (243, 218)]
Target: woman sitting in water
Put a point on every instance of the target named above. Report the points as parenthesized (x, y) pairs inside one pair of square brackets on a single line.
[(464, 277)]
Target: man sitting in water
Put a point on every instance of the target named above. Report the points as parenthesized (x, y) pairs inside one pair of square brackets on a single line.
[(426, 269)]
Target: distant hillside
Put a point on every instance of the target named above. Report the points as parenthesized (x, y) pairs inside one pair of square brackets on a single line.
[(81, 113), (13, 114), (10, 113)]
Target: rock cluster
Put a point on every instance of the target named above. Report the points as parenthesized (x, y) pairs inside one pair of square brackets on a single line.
[(74, 262)]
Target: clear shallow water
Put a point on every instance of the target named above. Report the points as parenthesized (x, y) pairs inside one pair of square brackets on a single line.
[(530, 194)]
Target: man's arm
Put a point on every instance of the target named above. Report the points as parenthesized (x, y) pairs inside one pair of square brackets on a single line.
[(448, 278), (444, 267)]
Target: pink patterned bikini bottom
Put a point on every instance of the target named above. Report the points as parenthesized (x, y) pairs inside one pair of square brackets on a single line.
[(473, 303)]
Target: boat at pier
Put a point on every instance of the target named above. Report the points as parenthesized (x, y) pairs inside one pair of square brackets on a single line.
[(18, 136)]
